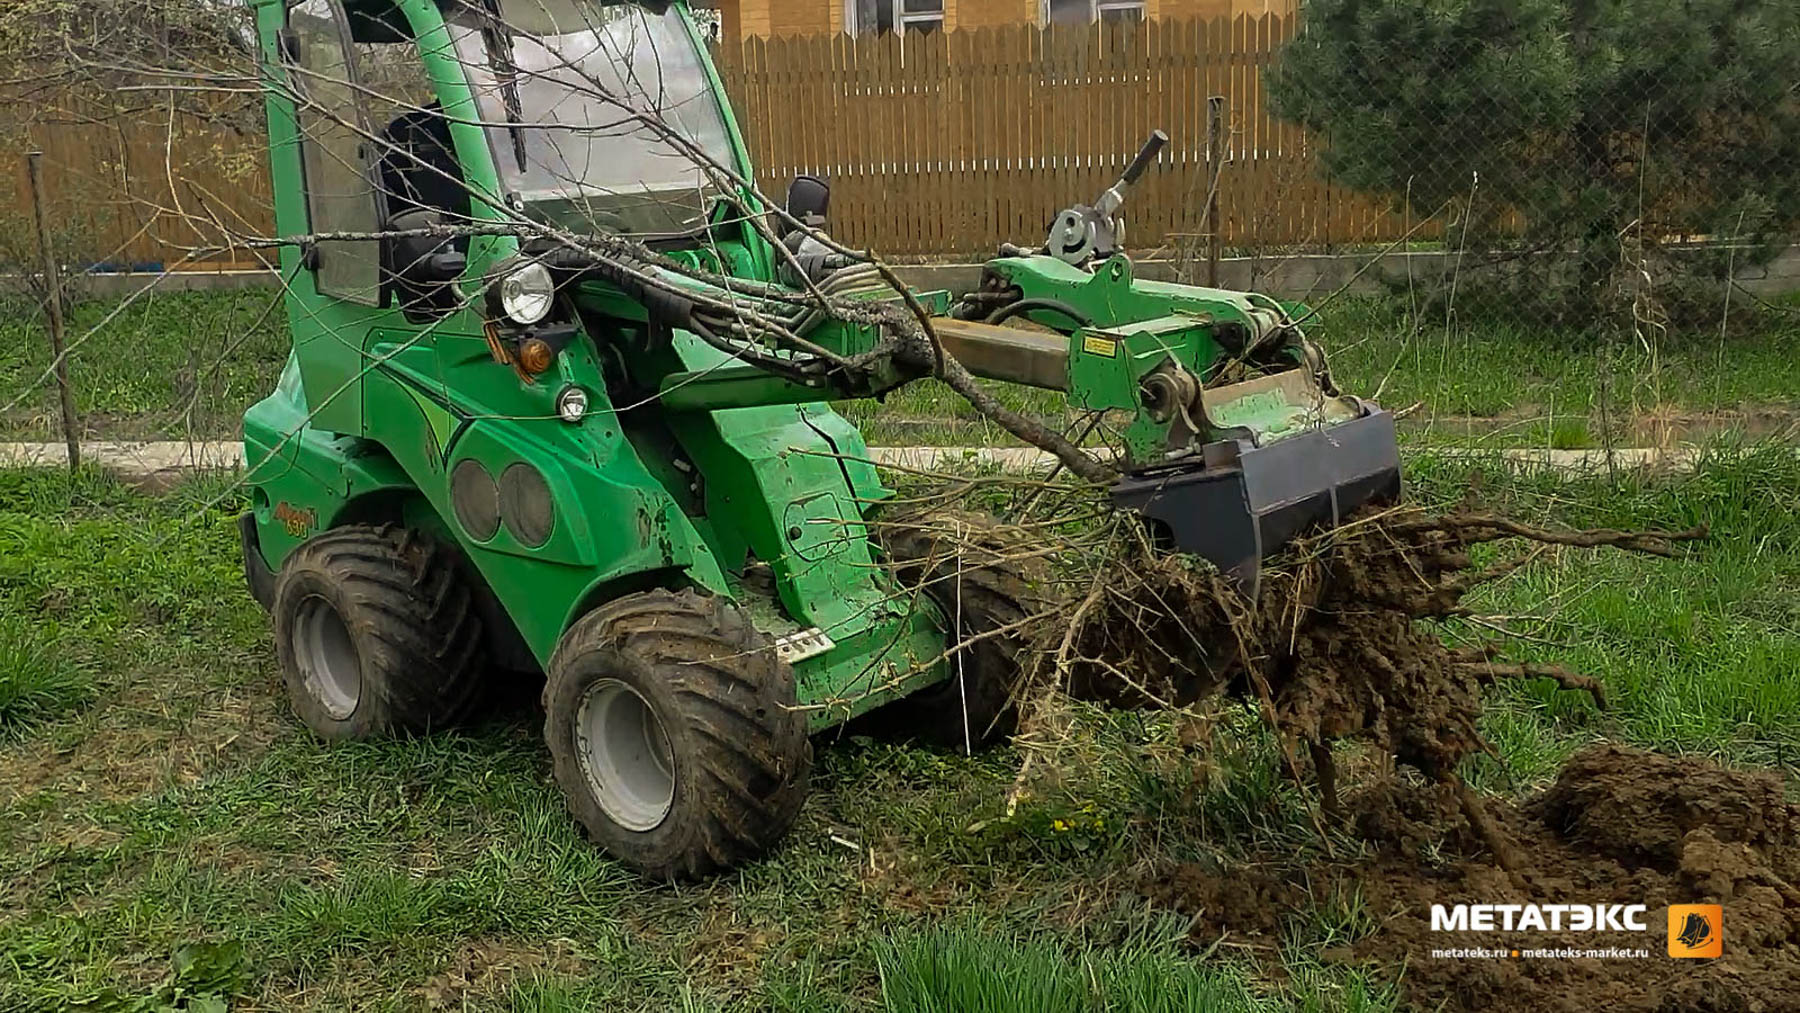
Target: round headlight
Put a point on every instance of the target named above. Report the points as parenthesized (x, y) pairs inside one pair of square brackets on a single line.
[(527, 293)]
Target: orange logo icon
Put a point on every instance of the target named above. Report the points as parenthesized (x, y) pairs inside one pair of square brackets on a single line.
[(1696, 930)]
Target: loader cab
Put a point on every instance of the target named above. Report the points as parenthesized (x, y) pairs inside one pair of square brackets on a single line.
[(467, 111), (408, 135)]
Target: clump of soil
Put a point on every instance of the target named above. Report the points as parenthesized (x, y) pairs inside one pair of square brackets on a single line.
[(1620, 826), (1642, 808)]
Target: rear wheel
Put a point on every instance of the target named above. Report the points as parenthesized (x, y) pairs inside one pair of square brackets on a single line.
[(377, 634), (675, 735), (983, 579)]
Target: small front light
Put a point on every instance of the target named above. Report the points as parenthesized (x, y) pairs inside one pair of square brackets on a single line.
[(536, 356), (527, 293), (572, 404)]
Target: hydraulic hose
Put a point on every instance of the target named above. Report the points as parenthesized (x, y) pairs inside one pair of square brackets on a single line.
[(1013, 309)]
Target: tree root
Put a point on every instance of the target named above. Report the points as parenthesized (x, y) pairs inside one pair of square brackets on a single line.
[(1331, 648), (1506, 856)]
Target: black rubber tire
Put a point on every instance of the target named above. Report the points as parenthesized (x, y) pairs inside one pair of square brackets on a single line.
[(740, 753), (410, 620), (997, 590)]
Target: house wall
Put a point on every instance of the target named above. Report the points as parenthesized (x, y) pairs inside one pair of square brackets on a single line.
[(1214, 8), (986, 13), (782, 17)]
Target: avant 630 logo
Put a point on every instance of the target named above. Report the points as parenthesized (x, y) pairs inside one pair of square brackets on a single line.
[(298, 523), (1696, 930)]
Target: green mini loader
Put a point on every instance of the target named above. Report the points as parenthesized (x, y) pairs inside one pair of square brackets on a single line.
[(532, 421)]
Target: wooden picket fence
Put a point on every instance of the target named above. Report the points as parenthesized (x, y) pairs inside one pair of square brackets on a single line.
[(144, 188), (940, 145), (951, 143)]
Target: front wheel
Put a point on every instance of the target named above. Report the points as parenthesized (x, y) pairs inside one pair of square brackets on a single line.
[(377, 634), (988, 583), (674, 733)]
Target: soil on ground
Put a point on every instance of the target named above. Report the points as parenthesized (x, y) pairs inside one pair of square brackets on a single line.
[(1619, 826)]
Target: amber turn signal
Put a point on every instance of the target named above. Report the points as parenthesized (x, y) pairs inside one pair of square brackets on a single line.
[(536, 355)]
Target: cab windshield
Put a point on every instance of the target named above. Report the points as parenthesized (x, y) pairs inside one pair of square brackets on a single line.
[(570, 93)]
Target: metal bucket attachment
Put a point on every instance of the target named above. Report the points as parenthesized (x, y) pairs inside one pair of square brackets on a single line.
[(1276, 407), (1242, 501)]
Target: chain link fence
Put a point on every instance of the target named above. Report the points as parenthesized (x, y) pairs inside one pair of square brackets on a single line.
[(1543, 224)]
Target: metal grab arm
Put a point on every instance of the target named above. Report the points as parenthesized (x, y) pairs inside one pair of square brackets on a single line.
[(992, 352)]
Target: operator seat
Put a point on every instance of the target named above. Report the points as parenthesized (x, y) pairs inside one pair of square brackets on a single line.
[(424, 186), (419, 170)]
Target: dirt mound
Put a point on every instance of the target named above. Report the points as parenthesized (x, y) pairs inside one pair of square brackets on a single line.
[(1641, 807), (1619, 827)]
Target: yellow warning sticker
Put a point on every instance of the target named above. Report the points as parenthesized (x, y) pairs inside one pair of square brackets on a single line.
[(1095, 345)]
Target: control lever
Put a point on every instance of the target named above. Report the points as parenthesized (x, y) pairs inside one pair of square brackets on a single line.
[(1109, 202), (1082, 233)]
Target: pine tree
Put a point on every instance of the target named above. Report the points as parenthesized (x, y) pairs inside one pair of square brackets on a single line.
[(1585, 119)]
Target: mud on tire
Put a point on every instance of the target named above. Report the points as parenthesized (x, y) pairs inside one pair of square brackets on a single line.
[(377, 634), (672, 728), (950, 555)]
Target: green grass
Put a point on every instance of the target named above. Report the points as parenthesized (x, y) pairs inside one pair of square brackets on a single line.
[(185, 364), (966, 968), (37, 682), (172, 365), (1510, 384), (1699, 654), (182, 805)]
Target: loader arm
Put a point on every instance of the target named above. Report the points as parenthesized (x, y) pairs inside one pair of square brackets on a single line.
[(1233, 437)]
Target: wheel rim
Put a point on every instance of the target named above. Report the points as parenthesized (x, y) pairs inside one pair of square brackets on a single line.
[(330, 668), (625, 755)]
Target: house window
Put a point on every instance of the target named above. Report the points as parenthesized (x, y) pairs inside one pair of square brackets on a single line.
[(710, 21), (868, 17), (1086, 12)]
